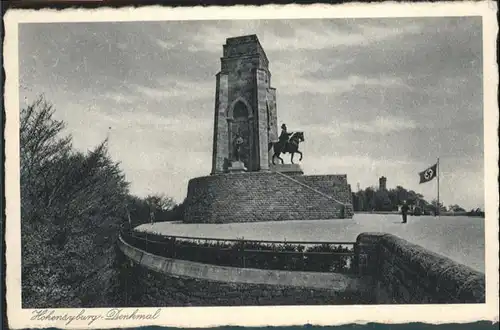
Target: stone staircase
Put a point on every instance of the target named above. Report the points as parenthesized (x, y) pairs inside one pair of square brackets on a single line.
[(332, 187)]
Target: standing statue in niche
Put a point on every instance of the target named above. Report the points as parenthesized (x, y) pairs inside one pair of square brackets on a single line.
[(237, 148), (237, 165)]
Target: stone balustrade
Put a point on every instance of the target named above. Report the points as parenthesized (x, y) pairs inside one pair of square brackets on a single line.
[(388, 270), (406, 273)]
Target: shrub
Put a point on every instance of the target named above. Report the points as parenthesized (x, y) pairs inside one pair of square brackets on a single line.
[(72, 205)]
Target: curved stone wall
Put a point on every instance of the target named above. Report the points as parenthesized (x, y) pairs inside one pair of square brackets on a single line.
[(266, 196), (181, 283), (190, 269), (409, 273), (390, 271)]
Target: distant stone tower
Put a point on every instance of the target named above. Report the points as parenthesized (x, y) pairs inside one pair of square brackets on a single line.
[(245, 106), (382, 183)]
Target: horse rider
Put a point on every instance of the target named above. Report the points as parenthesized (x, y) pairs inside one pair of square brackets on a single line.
[(284, 137)]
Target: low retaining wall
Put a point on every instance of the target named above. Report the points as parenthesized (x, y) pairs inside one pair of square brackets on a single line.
[(197, 284), (183, 268), (152, 289), (408, 273), (389, 269), (266, 196)]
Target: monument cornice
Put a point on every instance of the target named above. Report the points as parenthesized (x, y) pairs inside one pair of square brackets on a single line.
[(248, 39), (234, 57)]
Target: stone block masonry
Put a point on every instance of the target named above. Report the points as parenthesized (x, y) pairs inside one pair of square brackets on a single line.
[(245, 106), (331, 185), (406, 273), (246, 111), (390, 271), (266, 196), (160, 290), (159, 281)]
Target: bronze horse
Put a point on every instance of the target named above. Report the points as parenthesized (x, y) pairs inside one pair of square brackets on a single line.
[(292, 147)]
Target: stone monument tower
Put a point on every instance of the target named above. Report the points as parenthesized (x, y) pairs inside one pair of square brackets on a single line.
[(245, 108), (244, 185)]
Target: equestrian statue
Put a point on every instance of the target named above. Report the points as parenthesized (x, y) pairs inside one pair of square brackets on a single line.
[(287, 143)]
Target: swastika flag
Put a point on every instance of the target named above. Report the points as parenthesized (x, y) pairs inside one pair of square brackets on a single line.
[(428, 174)]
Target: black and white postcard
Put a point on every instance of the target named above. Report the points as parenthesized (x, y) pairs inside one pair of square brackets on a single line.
[(253, 166)]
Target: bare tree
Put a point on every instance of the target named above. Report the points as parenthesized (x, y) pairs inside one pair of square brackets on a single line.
[(160, 202)]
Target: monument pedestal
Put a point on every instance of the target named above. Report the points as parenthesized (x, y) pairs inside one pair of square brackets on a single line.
[(237, 167), (286, 168)]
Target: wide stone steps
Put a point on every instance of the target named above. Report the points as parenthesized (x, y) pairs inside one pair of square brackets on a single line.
[(311, 188)]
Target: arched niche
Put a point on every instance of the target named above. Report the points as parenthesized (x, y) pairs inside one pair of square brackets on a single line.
[(240, 105), (240, 110), (240, 121)]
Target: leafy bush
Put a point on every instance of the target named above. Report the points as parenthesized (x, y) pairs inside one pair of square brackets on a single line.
[(72, 205)]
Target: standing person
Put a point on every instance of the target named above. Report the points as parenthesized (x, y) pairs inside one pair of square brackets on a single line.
[(129, 218), (152, 216), (404, 211)]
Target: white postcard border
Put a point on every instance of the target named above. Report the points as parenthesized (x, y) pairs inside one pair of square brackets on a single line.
[(257, 316)]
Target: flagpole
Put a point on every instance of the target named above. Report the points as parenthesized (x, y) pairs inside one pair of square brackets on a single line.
[(438, 205)]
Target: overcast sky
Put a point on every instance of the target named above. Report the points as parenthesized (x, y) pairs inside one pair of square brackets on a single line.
[(373, 96)]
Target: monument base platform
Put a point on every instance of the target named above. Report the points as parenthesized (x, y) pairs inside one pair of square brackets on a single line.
[(286, 168), (237, 167), (267, 196)]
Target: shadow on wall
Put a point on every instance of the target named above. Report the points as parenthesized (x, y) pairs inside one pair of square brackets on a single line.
[(226, 164)]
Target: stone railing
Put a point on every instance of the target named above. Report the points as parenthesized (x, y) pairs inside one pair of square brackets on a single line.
[(187, 283), (386, 270), (306, 256), (407, 273)]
